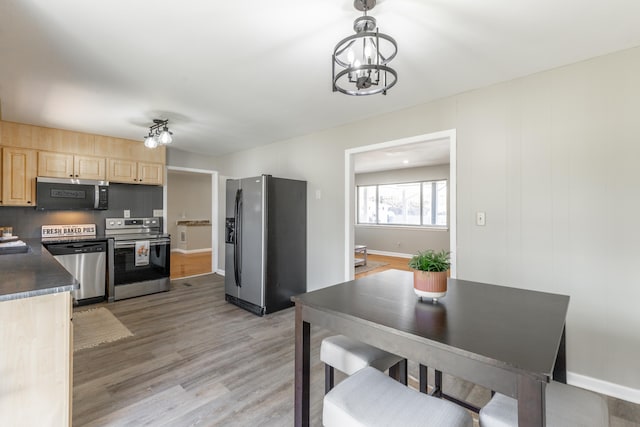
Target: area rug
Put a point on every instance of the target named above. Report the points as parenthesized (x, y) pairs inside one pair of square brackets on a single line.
[(371, 265), (96, 326)]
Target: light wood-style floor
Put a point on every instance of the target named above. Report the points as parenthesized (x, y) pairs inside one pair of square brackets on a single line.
[(392, 263), (193, 360), (187, 265), (196, 360)]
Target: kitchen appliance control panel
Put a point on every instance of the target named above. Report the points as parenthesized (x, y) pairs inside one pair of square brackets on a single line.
[(123, 223)]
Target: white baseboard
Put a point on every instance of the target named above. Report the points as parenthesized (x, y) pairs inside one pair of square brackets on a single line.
[(220, 272), (604, 387), (385, 253), (191, 251)]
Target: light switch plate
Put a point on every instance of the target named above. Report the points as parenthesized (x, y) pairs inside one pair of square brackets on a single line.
[(480, 218), (127, 213), (158, 212)]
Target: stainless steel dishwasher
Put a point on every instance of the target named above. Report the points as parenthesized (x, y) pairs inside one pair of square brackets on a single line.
[(86, 261)]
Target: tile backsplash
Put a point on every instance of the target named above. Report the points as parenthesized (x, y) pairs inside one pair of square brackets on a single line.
[(141, 200)]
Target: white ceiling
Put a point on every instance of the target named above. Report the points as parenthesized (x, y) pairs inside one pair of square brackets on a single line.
[(414, 155), (230, 75)]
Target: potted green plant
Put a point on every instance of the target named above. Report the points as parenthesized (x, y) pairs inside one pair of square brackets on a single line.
[(430, 271)]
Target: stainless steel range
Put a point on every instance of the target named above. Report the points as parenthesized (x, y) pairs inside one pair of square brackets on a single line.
[(139, 261)]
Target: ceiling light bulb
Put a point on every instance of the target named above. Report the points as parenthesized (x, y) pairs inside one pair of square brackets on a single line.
[(406, 162), (165, 137), (150, 142), (350, 56), (367, 50), (359, 73)]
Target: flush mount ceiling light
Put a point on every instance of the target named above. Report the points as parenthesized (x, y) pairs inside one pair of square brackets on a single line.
[(159, 134), (360, 61)]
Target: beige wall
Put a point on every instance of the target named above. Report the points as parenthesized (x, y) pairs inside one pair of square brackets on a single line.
[(553, 161), (188, 198), (397, 239)]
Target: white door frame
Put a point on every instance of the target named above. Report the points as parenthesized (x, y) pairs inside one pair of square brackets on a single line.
[(214, 208), (349, 191)]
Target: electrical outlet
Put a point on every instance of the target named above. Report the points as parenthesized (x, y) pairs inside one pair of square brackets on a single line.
[(158, 212), (480, 219), (127, 213)]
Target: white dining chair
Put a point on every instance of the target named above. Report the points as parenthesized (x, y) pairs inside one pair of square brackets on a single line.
[(566, 406), (349, 356), (370, 398)]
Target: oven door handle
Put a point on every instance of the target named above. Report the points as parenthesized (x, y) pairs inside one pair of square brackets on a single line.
[(132, 244)]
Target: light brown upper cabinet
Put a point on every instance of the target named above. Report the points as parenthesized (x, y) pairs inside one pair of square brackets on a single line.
[(61, 165), (135, 172), (18, 176)]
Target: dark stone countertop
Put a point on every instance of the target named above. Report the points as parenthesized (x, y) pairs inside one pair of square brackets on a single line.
[(33, 273)]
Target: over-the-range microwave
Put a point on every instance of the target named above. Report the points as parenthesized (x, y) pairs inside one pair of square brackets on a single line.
[(69, 193)]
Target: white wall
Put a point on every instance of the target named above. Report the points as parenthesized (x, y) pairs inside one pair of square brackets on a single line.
[(185, 159), (553, 161), (402, 240)]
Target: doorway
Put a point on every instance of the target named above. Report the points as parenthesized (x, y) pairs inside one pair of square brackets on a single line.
[(191, 199), (350, 202)]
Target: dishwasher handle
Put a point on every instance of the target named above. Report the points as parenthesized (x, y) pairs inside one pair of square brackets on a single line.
[(76, 248)]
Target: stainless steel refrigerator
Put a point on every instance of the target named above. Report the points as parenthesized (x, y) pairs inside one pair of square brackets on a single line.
[(265, 242)]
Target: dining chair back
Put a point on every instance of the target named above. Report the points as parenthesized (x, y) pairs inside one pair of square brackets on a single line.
[(349, 356)]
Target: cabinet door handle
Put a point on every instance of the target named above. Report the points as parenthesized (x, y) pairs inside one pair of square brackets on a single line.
[(71, 176)]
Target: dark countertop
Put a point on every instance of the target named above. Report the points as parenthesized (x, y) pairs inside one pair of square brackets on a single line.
[(33, 273)]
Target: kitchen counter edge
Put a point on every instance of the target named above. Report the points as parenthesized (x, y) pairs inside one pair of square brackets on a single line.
[(33, 273)]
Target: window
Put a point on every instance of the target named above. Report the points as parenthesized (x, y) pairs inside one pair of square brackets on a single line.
[(415, 203)]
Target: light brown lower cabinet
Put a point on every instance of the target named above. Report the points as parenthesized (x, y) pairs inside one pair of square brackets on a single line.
[(36, 361)]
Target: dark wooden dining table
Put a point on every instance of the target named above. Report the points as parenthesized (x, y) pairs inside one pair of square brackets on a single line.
[(506, 339)]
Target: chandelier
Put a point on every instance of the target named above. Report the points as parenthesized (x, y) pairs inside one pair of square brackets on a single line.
[(159, 134), (360, 62)]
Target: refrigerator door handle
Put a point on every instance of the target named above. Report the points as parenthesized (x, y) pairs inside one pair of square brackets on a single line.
[(237, 245)]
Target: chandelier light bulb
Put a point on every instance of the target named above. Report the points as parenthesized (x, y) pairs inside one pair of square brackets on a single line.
[(150, 142), (351, 56), (165, 137), (357, 64), (367, 50)]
